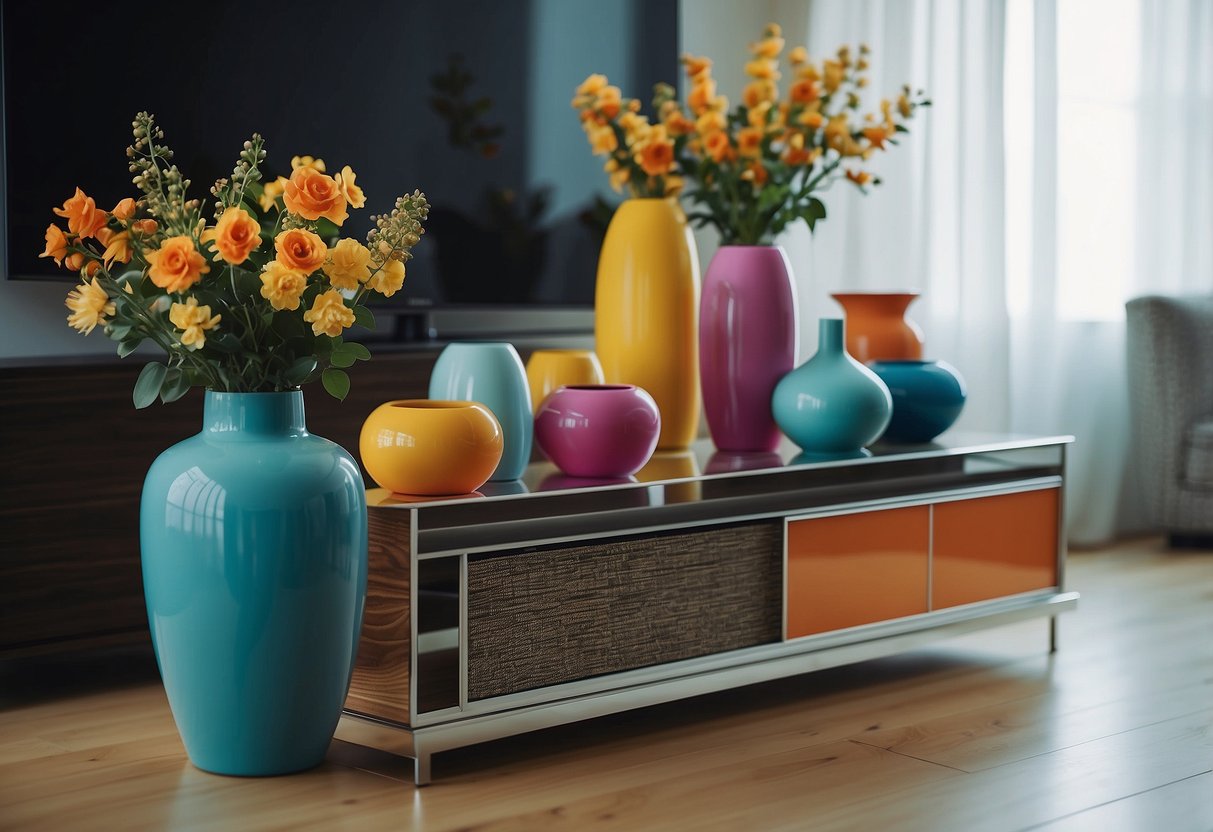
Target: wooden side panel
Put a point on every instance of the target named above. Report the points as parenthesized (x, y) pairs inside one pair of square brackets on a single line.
[(856, 569), (991, 547), (380, 684), (538, 618)]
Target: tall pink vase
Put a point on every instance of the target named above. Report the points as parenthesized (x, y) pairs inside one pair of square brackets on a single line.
[(748, 331)]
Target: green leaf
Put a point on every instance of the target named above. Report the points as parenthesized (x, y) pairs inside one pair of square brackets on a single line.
[(364, 318), (287, 324), (303, 367), (128, 346), (147, 386), (227, 342), (336, 383), (118, 331), (174, 386), (342, 358), (360, 352)]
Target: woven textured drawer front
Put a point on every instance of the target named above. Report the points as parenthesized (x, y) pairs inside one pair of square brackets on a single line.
[(540, 618)]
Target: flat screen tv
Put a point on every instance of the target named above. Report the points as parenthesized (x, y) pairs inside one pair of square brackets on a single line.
[(467, 100)]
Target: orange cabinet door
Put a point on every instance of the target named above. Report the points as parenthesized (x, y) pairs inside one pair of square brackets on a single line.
[(990, 547), (856, 569)]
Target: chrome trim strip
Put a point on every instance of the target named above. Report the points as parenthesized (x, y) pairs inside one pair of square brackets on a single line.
[(948, 495), (797, 647), (641, 693)]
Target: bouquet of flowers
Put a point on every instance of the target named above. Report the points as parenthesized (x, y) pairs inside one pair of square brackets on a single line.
[(252, 299), (755, 169)]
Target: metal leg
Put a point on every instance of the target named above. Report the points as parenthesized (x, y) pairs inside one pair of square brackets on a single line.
[(1052, 634), (421, 768)]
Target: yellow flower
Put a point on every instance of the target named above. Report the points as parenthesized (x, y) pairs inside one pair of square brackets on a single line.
[(592, 85), (609, 102), (388, 280), (904, 107), (757, 116), (859, 177), (833, 71), (270, 192), (798, 56), (176, 265), (876, 136), (90, 306), (329, 315), (768, 47), (602, 138), (193, 321), (307, 162), (348, 264), (235, 235), (811, 119), (117, 246), (656, 155), (673, 185), (353, 194), (56, 244), (702, 95), (759, 91), (749, 141), (619, 175), (710, 121), (763, 68), (281, 285)]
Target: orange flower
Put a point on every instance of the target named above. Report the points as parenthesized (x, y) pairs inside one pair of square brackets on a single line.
[(764, 68), (756, 92), (718, 147), (710, 121), (144, 228), (83, 216), (804, 91), (876, 135), (352, 193), (768, 47), (235, 235), (798, 56), (756, 173), (702, 96), (696, 66), (282, 286), (312, 195), (301, 250), (124, 210), (176, 265), (602, 139), (811, 119), (609, 102), (656, 156), (679, 125), (117, 246), (833, 71), (592, 84), (749, 141), (859, 177), (56, 244)]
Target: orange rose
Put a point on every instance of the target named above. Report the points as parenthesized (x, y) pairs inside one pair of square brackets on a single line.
[(235, 235), (312, 195), (718, 147), (56, 244), (176, 265), (83, 216), (803, 91), (702, 95), (124, 210), (749, 141), (609, 102), (300, 250), (657, 155), (696, 66)]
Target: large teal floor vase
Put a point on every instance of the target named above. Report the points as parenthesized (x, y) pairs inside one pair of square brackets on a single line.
[(490, 372), (831, 404), (254, 537)]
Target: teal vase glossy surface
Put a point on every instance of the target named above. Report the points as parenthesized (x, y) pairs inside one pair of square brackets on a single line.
[(927, 398), (831, 404), (253, 537), (490, 373)]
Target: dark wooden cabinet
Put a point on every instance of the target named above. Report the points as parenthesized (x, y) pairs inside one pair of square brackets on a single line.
[(75, 452)]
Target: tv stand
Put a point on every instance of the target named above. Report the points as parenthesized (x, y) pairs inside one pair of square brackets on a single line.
[(548, 600)]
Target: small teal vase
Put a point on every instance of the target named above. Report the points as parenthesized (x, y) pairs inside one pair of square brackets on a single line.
[(831, 404), (490, 373), (927, 398), (253, 537)]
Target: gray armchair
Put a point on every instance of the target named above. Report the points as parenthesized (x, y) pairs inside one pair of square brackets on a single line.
[(1170, 352)]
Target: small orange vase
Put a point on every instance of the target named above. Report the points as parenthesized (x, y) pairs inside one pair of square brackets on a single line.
[(877, 327)]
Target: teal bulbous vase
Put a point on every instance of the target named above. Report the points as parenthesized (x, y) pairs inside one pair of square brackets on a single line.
[(254, 549), (831, 404)]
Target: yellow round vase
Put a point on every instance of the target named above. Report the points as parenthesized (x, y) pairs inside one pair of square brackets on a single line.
[(429, 447), (548, 369), (645, 309)]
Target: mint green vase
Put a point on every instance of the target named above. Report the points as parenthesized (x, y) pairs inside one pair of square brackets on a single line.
[(831, 404), (253, 537)]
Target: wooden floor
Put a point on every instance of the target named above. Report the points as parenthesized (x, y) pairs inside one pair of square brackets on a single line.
[(988, 732)]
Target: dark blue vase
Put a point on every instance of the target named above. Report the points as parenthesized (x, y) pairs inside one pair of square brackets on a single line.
[(253, 537), (831, 403), (927, 398)]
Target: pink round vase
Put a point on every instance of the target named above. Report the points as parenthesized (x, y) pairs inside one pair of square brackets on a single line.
[(598, 430), (747, 342)]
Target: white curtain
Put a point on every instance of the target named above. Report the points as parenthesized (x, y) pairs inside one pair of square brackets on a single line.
[(1065, 167)]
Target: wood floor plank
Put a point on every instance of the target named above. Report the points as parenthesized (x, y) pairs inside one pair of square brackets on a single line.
[(984, 732)]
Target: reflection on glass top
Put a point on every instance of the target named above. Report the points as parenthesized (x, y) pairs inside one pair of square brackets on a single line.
[(703, 462)]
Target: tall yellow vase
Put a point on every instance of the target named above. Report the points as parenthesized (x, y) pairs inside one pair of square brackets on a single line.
[(645, 310)]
